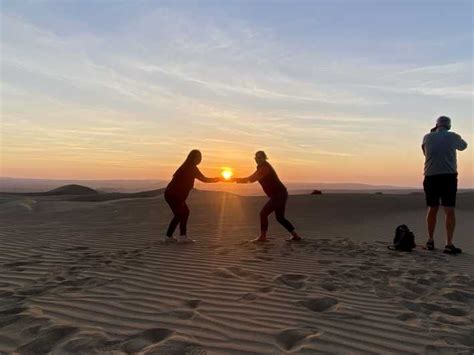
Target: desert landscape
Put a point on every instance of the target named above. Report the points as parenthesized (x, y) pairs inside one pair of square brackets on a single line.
[(79, 274), (227, 177)]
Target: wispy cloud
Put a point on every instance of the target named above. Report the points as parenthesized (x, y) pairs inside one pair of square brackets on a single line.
[(152, 84), (441, 69), (462, 92)]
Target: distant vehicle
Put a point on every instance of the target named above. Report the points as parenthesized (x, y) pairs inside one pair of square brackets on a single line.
[(316, 192)]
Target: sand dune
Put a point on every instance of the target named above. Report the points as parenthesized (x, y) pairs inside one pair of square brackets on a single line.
[(79, 277), (83, 194)]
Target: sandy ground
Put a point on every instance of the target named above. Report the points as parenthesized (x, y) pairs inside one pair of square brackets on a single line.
[(81, 277)]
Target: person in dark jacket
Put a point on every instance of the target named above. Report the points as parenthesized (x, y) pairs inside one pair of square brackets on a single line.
[(273, 188), (177, 192)]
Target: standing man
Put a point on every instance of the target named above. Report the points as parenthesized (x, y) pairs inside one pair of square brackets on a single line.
[(276, 191), (441, 178)]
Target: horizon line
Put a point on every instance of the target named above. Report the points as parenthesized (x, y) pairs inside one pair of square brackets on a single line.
[(165, 180)]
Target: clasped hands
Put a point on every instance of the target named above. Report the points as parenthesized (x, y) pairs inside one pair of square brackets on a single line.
[(233, 179)]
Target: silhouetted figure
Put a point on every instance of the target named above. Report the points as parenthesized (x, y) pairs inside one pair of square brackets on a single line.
[(441, 178), (273, 188), (177, 192)]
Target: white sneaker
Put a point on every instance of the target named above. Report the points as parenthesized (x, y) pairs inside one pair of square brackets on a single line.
[(169, 240), (184, 239)]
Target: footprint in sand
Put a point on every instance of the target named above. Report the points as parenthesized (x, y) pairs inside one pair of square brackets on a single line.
[(87, 342), (447, 319), (264, 258), (77, 248), (223, 252), (224, 273), (344, 312), (244, 274), (407, 316), (84, 282), (34, 290), (47, 340), (18, 264), (457, 295), (320, 304), (193, 304), (5, 294), (328, 286), (325, 262), (176, 347), (414, 288), (12, 310), (180, 314), (457, 312), (295, 281), (11, 300), (292, 339), (140, 341), (433, 309), (31, 331), (251, 296), (266, 289)]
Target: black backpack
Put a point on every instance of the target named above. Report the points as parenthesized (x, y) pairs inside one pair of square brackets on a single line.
[(404, 239)]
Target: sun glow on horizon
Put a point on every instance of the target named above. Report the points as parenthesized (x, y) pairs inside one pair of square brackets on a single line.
[(227, 173)]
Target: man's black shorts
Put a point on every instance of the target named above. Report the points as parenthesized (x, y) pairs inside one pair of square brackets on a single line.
[(441, 187)]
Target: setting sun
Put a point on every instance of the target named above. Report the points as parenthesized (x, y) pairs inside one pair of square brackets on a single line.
[(227, 173)]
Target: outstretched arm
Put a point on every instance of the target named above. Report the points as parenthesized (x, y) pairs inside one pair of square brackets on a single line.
[(205, 179), (257, 175)]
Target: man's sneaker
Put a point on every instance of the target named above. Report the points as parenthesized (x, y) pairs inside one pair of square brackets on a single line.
[(259, 240), (430, 245), (169, 240), (294, 239), (184, 239), (451, 249)]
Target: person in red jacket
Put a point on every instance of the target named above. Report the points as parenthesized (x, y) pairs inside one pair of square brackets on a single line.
[(177, 192), (273, 188)]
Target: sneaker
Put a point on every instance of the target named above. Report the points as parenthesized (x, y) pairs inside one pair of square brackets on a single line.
[(184, 239), (294, 239), (259, 240), (430, 245), (169, 240), (451, 249)]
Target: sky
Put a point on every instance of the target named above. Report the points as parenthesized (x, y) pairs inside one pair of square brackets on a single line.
[(333, 91)]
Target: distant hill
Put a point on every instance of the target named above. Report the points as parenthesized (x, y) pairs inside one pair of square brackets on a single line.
[(66, 190), (11, 184), (109, 196), (86, 194), (72, 189)]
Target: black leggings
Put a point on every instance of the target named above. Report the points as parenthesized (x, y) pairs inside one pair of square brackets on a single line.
[(276, 203), (181, 214)]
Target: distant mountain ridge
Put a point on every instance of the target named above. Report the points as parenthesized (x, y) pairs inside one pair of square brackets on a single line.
[(66, 190), (8, 183), (80, 193), (12, 184), (22, 185)]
